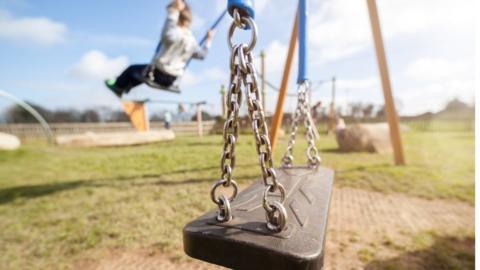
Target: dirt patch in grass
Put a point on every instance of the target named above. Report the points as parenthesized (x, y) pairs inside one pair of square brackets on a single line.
[(366, 230)]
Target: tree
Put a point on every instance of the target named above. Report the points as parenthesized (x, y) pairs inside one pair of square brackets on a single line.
[(356, 109), (368, 110), (205, 117), (381, 112), (89, 116), (118, 116), (64, 116), (456, 105), (17, 114)]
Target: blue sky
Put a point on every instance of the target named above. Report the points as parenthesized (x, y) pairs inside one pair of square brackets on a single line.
[(55, 53)]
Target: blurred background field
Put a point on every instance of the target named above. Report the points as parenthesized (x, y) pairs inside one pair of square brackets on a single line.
[(61, 205)]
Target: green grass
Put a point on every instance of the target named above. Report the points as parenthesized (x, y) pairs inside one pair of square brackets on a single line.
[(433, 251), (56, 203)]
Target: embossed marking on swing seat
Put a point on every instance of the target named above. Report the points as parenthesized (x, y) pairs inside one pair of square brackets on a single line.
[(246, 243)]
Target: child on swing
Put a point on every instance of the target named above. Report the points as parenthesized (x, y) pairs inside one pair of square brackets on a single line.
[(178, 46)]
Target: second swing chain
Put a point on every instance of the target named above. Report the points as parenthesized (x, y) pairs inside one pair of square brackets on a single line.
[(303, 111)]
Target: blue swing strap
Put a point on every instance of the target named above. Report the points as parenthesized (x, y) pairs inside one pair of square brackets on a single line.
[(149, 78), (244, 7), (303, 41)]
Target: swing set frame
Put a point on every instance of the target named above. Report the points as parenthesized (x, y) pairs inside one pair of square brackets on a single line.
[(392, 116)]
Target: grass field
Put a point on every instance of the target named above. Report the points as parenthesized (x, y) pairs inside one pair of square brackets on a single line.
[(57, 203)]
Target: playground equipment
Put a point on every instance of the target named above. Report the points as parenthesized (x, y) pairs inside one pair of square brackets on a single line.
[(91, 139), (32, 111), (384, 75), (9, 142), (148, 77), (138, 114), (363, 137), (279, 222)]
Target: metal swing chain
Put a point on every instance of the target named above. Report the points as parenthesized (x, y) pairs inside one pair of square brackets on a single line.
[(230, 136), (303, 111), (243, 73)]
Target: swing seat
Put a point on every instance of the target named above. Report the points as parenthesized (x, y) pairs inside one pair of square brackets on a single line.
[(246, 243), (174, 88)]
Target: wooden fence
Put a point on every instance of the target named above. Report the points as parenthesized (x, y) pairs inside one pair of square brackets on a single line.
[(28, 131)]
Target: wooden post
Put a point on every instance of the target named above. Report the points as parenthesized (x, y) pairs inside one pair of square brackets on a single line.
[(224, 100), (264, 82), (138, 115), (386, 85), (199, 120), (332, 113), (278, 117)]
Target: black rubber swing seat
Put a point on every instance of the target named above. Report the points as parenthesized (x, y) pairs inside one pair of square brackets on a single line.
[(152, 84), (246, 243)]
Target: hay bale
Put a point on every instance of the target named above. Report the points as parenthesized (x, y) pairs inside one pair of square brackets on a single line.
[(374, 138), (9, 142), (91, 139)]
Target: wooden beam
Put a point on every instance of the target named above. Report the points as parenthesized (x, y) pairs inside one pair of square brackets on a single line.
[(264, 82), (199, 121), (332, 113), (224, 100), (278, 117), (391, 112)]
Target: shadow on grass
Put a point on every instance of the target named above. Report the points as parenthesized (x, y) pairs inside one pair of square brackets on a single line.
[(445, 253), (205, 143), (369, 168), (33, 191), (334, 151)]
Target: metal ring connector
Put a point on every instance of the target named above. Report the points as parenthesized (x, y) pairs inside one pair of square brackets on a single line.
[(253, 40), (225, 210), (271, 189), (277, 218), (222, 182), (287, 161)]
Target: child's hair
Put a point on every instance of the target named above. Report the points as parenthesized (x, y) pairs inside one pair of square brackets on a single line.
[(185, 17)]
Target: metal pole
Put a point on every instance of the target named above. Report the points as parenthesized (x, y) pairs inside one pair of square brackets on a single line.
[(33, 112), (199, 120), (332, 113), (278, 117), (224, 101), (264, 82), (302, 41), (334, 80), (386, 85)]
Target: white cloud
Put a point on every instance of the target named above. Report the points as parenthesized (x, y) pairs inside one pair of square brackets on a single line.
[(198, 23), (39, 30), (356, 84), (433, 96), (96, 65), (211, 76), (431, 69), (115, 40), (275, 55), (260, 5), (437, 80), (341, 28)]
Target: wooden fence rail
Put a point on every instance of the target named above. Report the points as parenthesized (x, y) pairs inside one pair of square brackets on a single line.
[(27, 131)]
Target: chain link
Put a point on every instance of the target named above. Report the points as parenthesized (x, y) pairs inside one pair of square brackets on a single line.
[(302, 111), (275, 211), (243, 75), (230, 136)]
